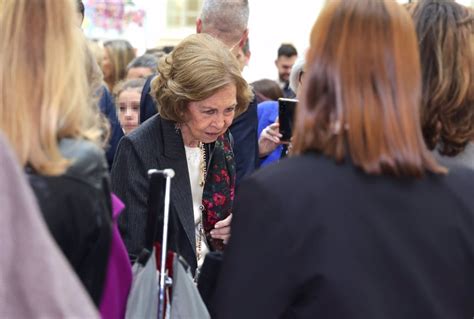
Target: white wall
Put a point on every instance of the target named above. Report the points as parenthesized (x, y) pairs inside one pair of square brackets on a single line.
[(273, 22)]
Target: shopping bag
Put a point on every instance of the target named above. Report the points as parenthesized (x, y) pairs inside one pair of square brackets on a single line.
[(143, 298)]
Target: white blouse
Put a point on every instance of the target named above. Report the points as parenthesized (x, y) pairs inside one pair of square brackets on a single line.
[(194, 159)]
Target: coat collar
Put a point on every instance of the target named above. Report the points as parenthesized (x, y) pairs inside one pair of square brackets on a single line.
[(173, 145), (174, 157)]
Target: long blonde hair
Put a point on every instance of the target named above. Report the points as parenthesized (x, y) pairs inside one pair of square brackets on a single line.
[(120, 54), (44, 94)]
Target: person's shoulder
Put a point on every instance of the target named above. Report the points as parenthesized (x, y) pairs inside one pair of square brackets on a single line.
[(88, 162), (148, 81), (267, 110), (81, 151), (146, 130), (460, 180), (267, 106), (106, 101), (295, 169)]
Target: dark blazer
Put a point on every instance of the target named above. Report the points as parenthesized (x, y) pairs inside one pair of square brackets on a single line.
[(312, 239), (244, 129), (77, 209), (155, 144), (244, 132), (147, 104), (107, 107)]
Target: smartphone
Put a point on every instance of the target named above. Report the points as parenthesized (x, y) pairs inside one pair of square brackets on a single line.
[(286, 113)]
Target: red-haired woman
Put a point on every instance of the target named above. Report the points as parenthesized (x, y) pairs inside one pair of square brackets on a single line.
[(362, 222)]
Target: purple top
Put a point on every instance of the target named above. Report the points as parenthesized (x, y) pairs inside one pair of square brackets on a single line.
[(119, 272)]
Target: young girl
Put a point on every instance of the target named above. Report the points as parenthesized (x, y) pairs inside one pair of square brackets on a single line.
[(127, 100)]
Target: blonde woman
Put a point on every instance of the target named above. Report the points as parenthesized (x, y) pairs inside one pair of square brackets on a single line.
[(47, 114), (33, 258), (117, 55)]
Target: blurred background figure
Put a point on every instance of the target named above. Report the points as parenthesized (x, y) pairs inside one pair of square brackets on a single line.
[(97, 49), (142, 67), (446, 37), (362, 219), (227, 20), (270, 147), (101, 95), (243, 55), (56, 130), (286, 57), (127, 99), (160, 51), (37, 281), (117, 55), (267, 90)]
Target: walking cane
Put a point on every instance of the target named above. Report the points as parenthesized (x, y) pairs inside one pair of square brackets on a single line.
[(168, 174)]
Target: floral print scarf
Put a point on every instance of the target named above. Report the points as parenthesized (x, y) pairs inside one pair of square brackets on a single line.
[(219, 188)]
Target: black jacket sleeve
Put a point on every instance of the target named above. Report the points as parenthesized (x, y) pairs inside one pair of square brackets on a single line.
[(130, 184), (77, 209)]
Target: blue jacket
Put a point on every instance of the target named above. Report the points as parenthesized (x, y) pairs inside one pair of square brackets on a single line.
[(267, 114), (107, 107)]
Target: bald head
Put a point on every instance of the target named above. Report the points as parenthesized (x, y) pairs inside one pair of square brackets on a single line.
[(225, 20)]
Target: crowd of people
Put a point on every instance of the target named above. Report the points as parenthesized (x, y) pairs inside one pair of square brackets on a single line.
[(365, 213)]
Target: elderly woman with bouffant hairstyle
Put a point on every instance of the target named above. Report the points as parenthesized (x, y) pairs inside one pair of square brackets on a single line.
[(49, 117), (199, 91), (446, 38), (361, 219)]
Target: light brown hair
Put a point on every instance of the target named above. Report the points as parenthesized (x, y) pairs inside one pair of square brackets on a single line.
[(133, 84), (44, 91), (362, 90), (120, 53), (196, 69), (446, 39)]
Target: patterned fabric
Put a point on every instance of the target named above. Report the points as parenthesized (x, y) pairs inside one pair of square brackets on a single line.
[(218, 194)]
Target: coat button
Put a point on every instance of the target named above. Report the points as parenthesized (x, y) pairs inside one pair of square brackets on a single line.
[(201, 207)]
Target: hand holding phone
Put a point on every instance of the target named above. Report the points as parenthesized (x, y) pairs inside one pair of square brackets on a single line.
[(286, 113)]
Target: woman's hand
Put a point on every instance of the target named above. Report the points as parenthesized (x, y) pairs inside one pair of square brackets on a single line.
[(269, 139), (222, 229)]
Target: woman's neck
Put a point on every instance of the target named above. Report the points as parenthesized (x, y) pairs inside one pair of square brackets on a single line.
[(188, 139)]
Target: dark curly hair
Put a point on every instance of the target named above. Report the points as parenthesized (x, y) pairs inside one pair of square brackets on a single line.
[(445, 35)]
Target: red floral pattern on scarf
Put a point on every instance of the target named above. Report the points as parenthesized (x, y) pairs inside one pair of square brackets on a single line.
[(219, 189)]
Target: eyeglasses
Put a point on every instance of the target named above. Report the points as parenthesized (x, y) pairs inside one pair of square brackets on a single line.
[(233, 47)]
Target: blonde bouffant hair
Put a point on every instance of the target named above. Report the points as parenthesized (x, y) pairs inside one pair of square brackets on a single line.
[(44, 94)]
